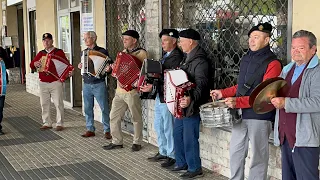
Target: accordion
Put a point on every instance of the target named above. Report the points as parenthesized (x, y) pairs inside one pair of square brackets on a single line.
[(126, 69), (150, 74), (94, 63), (176, 86), (3, 78), (56, 66)]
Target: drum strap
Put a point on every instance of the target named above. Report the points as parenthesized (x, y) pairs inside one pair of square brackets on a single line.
[(247, 86)]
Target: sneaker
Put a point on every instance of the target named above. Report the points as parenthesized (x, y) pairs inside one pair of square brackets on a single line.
[(180, 169), (136, 147), (169, 162), (157, 157), (44, 127), (192, 175), (112, 146)]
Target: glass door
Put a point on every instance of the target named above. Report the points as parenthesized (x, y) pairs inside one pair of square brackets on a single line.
[(65, 45)]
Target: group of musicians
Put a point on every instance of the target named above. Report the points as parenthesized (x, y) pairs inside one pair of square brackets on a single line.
[(297, 125)]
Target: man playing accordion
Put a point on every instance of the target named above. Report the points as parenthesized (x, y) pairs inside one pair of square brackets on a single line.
[(186, 129), (50, 86), (163, 120), (94, 87), (127, 99)]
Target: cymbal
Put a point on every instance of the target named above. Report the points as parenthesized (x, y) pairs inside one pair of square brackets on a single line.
[(260, 98)]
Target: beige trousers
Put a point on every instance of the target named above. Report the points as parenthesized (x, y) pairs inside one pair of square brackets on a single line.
[(120, 103), (52, 90)]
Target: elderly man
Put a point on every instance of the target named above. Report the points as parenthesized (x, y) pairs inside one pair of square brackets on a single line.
[(186, 130), (95, 88), (124, 100), (163, 119), (297, 125), (50, 87), (257, 65)]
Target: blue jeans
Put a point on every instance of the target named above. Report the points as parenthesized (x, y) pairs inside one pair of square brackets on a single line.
[(163, 124), (186, 142), (99, 91), (2, 98)]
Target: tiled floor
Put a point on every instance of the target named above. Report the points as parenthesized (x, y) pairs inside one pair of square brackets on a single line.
[(28, 153)]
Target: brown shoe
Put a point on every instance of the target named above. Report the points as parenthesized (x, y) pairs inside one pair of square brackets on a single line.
[(59, 128), (42, 128), (107, 135), (88, 134)]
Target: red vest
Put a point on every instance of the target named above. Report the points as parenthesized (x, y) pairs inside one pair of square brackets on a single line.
[(287, 121)]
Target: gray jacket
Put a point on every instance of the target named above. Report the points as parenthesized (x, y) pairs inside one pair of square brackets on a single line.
[(307, 106)]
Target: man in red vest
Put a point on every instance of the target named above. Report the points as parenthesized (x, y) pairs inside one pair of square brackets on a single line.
[(297, 125)]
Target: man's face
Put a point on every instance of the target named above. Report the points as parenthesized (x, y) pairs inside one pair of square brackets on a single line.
[(128, 41), (301, 51), (185, 44), (88, 41), (47, 43), (258, 40), (168, 43)]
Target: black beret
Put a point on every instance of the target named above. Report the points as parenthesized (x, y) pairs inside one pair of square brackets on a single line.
[(132, 33), (169, 32), (263, 27), (190, 34), (46, 36)]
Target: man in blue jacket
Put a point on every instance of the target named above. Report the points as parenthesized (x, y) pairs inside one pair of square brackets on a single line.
[(297, 125)]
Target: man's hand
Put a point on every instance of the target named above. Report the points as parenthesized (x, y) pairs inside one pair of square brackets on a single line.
[(108, 68), (37, 64), (80, 65), (185, 101), (230, 102), (146, 88), (278, 102), (71, 73), (216, 94)]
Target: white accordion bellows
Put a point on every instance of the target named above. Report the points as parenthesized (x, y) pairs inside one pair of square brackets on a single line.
[(94, 63)]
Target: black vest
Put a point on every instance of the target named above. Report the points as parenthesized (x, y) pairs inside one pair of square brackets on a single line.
[(248, 66)]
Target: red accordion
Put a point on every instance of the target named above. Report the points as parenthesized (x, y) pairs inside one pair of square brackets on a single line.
[(176, 86), (126, 69), (56, 66)]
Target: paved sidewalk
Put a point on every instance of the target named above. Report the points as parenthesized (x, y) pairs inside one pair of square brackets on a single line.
[(28, 153)]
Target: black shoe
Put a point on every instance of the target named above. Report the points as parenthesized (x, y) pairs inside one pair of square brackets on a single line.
[(112, 146), (1, 132), (136, 147), (157, 157), (168, 163), (192, 175), (180, 169)]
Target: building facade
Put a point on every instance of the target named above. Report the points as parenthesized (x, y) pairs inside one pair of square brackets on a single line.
[(223, 25)]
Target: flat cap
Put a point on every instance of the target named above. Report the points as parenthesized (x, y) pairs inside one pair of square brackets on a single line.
[(190, 34), (169, 32), (132, 33), (46, 36), (263, 27)]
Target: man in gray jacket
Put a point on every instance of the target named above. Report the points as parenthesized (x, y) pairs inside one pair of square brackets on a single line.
[(297, 125)]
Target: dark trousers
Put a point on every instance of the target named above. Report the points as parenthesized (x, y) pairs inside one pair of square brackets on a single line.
[(2, 98), (186, 142), (300, 163)]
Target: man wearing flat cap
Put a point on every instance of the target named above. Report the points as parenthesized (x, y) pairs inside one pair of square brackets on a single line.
[(124, 100), (186, 129), (259, 64), (50, 86), (163, 120)]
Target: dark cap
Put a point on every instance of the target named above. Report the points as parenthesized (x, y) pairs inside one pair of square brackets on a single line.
[(46, 36), (190, 34), (169, 32), (132, 33), (263, 27)]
